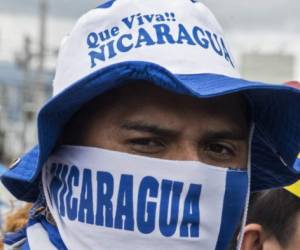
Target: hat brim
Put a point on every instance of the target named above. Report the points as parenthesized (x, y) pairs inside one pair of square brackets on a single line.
[(275, 111)]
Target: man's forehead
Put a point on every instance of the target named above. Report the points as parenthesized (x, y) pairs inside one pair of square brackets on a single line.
[(148, 92), (147, 103)]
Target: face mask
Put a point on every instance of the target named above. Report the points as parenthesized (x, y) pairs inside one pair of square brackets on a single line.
[(102, 199)]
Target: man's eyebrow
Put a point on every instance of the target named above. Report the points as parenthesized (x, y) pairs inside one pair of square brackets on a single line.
[(229, 134), (149, 128)]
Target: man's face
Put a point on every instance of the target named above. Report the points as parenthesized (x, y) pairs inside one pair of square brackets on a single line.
[(146, 120)]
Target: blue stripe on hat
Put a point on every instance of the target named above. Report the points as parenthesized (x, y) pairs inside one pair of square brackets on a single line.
[(106, 4), (234, 203)]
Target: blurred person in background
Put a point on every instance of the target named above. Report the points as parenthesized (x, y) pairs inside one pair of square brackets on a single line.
[(3, 200), (294, 84), (273, 220), (2, 169), (13, 213), (14, 222), (150, 116)]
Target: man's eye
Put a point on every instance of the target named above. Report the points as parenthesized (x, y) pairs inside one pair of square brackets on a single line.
[(220, 151), (146, 145), (218, 148)]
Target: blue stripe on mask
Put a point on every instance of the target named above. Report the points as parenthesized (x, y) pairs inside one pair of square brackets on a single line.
[(234, 204)]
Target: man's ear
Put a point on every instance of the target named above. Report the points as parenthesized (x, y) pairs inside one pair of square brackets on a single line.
[(253, 237)]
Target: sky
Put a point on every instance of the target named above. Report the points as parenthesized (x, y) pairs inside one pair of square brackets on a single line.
[(234, 14), (18, 19)]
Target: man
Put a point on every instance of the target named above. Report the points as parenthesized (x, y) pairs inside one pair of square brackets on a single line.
[(150, 137)]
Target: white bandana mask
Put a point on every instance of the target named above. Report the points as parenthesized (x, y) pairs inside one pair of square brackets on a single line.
[(102, 199)]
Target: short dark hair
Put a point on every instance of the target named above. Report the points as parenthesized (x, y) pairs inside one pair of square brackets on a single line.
[(275, 210)]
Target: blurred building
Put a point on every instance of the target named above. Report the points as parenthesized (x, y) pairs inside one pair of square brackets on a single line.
[(18, 109), (269, 67), (270, 57)]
